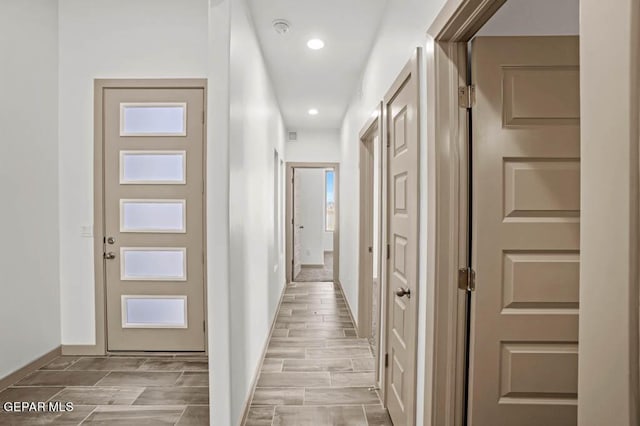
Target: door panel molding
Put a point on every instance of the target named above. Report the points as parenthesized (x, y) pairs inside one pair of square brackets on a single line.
[(100, 86)]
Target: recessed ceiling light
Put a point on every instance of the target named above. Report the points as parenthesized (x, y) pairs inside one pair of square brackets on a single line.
[(315, 44), (313, 111)]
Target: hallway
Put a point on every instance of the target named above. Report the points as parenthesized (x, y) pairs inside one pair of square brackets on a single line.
[(316, 371)]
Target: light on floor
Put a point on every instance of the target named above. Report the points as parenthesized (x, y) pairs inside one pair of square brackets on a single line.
[(313, 111)]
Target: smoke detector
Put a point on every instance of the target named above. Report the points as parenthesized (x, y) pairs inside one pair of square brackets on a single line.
[(281, 26)]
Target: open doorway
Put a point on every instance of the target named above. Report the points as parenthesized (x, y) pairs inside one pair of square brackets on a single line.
[(312, 222)]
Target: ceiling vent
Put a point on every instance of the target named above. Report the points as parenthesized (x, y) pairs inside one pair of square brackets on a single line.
[(293, 136), (281, 26)]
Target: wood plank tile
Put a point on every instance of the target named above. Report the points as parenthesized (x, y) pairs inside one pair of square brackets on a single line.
[(377, 416), (107, 363), (339, 352), (127, 416), (272, 365), (164, 364), (364, 364), (339, 396), (317, 332), (62, 378), (260, 416), (194, 378), (294, 379), (28, 394), (319, 416), (98, 395), (278, 396), (173, 395), (317, 365), (354, 379), (195, 415), (66, 418), (61, 363), (140, 378)]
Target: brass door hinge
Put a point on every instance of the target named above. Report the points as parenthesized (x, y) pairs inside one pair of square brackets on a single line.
[(466, 96), (466, 279)]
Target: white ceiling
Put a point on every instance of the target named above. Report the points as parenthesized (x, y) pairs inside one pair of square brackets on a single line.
[(324, 79)]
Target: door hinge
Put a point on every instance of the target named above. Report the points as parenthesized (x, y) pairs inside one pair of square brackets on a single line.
[(386, 360), (466, 279), (204, 326), (388, 251), (203, 117), (466, 96)]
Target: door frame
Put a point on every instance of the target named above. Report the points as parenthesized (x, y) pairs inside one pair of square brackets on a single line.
[(100, 85), (289, 215), (373, 124), (447, 243)]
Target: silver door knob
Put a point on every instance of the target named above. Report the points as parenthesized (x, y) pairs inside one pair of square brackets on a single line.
[(111, 240), (109, 256), (402, 291)]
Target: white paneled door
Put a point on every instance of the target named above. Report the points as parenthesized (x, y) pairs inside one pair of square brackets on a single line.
[(153, 218), (402, 121)]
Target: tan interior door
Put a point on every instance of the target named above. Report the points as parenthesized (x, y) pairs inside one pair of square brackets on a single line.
[(401, 105), (154, 190), (296, 260), (526, 228)]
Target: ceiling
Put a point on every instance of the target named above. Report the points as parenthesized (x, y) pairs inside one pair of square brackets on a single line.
[(325, 79)]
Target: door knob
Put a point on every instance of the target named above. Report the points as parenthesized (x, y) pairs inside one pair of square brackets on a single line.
[(109, 256), (111, 240), (402, 291)]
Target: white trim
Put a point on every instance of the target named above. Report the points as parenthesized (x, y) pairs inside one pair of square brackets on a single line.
[(124, 105), (183, 202), (123, 181), (125, 324), (123, 277)]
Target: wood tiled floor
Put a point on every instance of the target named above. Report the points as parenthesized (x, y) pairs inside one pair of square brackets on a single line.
[(316, 371), (116, 390), (317, 273)]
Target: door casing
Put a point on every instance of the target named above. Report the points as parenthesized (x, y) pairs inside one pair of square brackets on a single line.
[(373, 127), (100, 348), (289, 215)]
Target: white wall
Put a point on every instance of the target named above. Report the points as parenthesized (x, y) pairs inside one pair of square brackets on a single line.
[(403, 29), (30, 302), (319, 146), (108, 39), (540, 17), (311, 186), (256, 129)]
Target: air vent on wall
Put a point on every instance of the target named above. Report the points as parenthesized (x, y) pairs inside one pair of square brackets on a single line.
[(293, 136)]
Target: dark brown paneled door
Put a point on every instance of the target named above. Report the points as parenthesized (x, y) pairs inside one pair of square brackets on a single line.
[(526, 238), (153, 209), (402, 119)]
